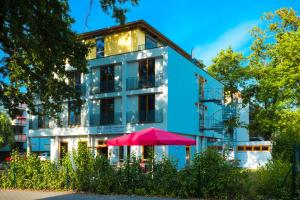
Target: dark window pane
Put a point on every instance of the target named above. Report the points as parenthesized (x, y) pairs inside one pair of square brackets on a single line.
[(100, 47), (107, 111)]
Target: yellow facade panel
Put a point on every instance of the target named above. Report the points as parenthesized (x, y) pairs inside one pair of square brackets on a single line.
[(92, 50), (123, 42)]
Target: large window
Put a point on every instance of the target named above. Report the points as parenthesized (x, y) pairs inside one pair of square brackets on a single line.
[(43, 120), (75, 80), (100, 47), (148, 152), (147, 108), (74, 112), (107, 83), (107, 111), (147, 73), (150, 42)]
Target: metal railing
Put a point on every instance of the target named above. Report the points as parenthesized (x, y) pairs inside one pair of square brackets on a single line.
[(212, 95), (149, 116), (106, 119), (133, 83), (107, 87)]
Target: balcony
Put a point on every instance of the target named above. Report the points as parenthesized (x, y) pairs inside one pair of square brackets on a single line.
[(150, 116), (81, 89), (19, 121), (107, 87), (106, 119), (214, 95), (20, 138), (134, 83)]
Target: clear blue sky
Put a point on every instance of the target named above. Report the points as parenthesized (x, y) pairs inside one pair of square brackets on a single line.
[(205, 25)]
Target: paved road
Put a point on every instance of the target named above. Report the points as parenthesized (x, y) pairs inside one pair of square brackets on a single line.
[(41, 195)]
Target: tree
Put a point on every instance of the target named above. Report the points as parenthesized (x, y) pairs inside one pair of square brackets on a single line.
[(36, 42), (273, 71), (227, 68), (6, 131)]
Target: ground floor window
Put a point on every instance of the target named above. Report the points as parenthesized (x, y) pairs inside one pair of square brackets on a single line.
[(63, 149), (128, 152), (102, 149), (187, 154), (121, 153), (148, 152)]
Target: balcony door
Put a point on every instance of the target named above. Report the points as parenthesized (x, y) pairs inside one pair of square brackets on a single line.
[(147, 108), (147, 73), (107, 79), (107, 111)]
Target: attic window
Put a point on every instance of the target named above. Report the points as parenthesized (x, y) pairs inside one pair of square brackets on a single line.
[(100, 47), (150, 43)]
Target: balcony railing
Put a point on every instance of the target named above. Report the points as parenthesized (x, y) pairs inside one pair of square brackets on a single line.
[(81, 89), (106, 119), (150, 116), (19, 121), (107, 87), (133, 83), (20, 138), (212, 95)]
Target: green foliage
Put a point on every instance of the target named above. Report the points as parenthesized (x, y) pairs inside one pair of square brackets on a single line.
[(33, 57), (104, 176), (227, 68), (208, 176), (286, 136), (84, 161), (164, 179), (213, 176), (6, 131), (273, 70), (272, 180)]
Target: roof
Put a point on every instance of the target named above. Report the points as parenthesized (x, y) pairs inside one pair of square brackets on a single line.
[(137, 24)]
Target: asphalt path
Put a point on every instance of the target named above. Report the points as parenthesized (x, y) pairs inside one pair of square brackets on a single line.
[(45, 195)]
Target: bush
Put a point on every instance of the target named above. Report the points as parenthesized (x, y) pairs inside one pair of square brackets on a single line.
[(103, 179), (164, 178), (213, 176), (208, 176), (272, 180)]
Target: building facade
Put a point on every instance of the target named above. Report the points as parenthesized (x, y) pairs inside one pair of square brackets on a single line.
[(20, 129), (137, 78)]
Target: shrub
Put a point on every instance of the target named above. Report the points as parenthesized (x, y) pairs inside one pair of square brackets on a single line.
[(164, 178), (272, 180), (103, 179), (215, 177)]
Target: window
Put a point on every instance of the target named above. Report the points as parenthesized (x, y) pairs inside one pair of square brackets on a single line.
[(240, 148), (248, 148), (147, 73), (43, 120), (74, 112), (265, 148), (63, 149), (102, 149), (256, 148), (82, 144), (100, 47), (150, 42), (121, 153), (75, 80), (107, 111), (107, 83), (187, 155), (148, 152), (147, 108), (128, 152)]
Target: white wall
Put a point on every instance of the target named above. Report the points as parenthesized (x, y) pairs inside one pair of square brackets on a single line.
[(183, 116)]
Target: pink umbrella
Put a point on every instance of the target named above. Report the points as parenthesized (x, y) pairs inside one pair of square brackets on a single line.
[(150, 137)]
